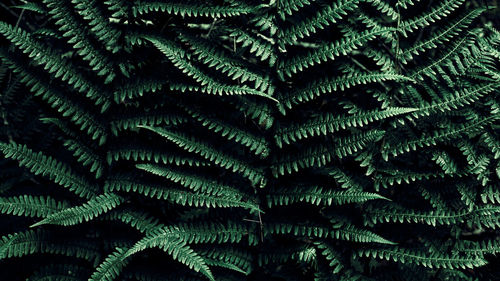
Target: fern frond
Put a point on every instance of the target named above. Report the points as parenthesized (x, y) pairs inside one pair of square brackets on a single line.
[(347, 233), (437, 136), (290, 6), (111, 267), (86, 156), (213, 87), (435, 260), (257, 46), (206, 151), (281, 255), (307, 255), (60, 173), (180, 59), (191, 9), (233, 139), (323, 18), (318, 196), (220, 60), (490, 194), (322, 154), (489, 246), (131, 122), (441, 36), (141, 153), (329, 85), (223, 264), (178, 196), (31, 206), (99, 23), (77, 36), (59, 101), (329, 51), (331, 255), (454, 101), (447, 164), (266, 22), (192, 181), (345, 179), (257, 111), (329, 123), (61, 125), (258, 145), (478, 163), (228, 232), (86, 212), (29, 242), (354, 234), (456, 51), (429, 16), (397, 214), (408, 176), (141, 221), (381, 59), (33, 7), (468, 195), (241, 260), (175, 247), (407, 4), (386, 9), (137, 87)]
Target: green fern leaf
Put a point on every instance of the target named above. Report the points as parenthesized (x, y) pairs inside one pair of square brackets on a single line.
[(77, 35), (290, 6), (29, 242), (111, 267), (221, 159), (437, 136), (192, 181), (65, 106), (180, 59), (319, 196), (166, 241), (86, 156), (177, 196), (319, 21), (329, 51), (228, 232), (405, 256), (262, 48), (347, 233), (31, 206), (141, 221), (320, 87), (397, 214), (99, 23), (86, 212), (220, 60), (322, 154), (329, 123), (256, 144), (142, 153), (193, 9), (57, 171), (444, 34), (429, 17)]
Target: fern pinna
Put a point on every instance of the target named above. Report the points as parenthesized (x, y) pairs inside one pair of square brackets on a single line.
[(249, 140)]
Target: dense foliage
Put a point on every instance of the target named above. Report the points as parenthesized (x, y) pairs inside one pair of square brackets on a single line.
[(248, 140)]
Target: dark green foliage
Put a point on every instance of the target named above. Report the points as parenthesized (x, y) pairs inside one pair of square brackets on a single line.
[(248, 140)]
